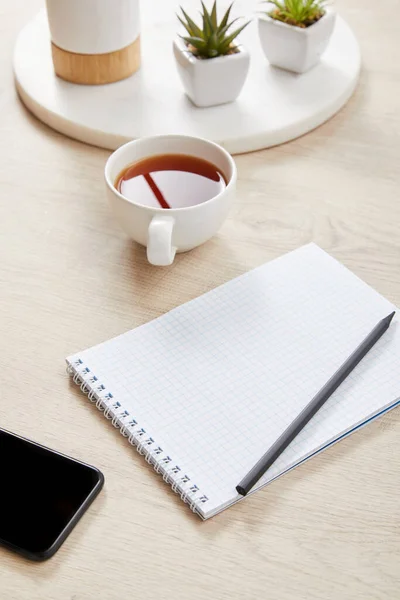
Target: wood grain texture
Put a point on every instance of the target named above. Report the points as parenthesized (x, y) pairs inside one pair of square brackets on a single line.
[(70, 279), (96, 69)]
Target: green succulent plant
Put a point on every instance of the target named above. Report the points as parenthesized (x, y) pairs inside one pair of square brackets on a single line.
[(213, 38), (301, 13)]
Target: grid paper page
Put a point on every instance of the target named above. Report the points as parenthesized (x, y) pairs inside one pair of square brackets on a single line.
[(217, 380)]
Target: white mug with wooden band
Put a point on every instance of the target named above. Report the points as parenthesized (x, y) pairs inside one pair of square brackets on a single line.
[(94, 41)]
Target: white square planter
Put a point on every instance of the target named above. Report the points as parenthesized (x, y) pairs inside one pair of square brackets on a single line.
[(212, 81), (293, 48)]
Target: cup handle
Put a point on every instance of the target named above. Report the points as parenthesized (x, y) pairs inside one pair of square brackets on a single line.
[(160, 251)]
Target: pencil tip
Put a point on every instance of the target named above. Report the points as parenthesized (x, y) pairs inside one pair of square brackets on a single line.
[(390, 317)]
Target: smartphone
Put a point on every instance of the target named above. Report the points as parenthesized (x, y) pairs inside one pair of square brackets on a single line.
[(43, 494)]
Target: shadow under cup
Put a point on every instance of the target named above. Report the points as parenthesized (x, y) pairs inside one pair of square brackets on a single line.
[(166, 231)]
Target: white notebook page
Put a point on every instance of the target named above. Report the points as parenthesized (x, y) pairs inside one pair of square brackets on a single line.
[(215, 381)]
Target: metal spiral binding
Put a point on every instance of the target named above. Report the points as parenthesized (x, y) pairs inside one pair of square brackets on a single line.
[(137, 436)]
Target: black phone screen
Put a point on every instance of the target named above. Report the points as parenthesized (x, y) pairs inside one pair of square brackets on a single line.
[(42, 495)]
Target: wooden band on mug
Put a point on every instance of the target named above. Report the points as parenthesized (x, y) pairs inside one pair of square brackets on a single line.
[(96, 69)]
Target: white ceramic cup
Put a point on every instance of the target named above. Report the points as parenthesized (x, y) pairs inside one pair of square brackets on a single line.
[(167, 231)]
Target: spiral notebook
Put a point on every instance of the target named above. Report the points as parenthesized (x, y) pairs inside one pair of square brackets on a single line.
[(205, 389)]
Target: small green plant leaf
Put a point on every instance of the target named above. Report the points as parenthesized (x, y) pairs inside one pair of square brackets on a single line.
[(186, 26), (225, 18), (207, 24), (197, 43), (229, 39), (224, 30), (214, 16), (194, 29)]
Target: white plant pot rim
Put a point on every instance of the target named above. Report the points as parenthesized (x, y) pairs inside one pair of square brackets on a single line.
[(304, 30), (185, 50)]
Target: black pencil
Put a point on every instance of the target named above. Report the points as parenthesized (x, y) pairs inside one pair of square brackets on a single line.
[(312, 407)]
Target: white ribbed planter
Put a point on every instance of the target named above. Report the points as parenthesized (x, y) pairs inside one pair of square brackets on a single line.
[(94, 41)]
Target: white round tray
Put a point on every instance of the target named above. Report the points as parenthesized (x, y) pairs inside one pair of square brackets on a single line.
[(274, 107)]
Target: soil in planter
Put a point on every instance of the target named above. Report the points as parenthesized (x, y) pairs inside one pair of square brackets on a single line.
[(232, 50), (278, 16), (170, 181)]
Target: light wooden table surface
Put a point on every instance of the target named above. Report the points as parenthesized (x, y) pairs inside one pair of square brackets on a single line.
[(70, 279)]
